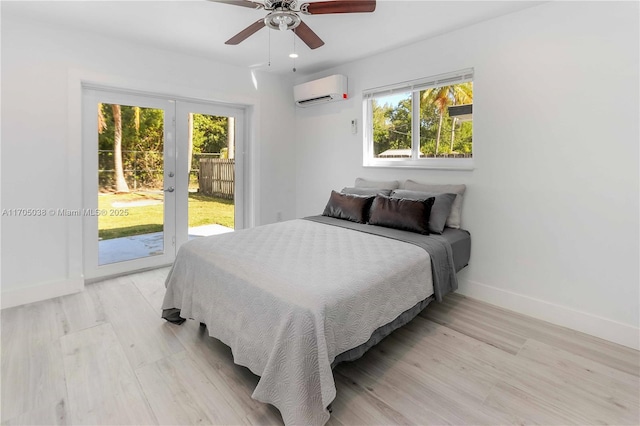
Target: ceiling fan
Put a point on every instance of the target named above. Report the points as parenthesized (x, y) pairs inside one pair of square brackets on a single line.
[(284, 15)]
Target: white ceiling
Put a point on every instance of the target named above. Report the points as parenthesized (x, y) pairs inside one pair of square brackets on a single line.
[(201, 27)]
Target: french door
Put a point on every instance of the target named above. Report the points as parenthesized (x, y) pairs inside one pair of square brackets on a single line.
[(144, 193)]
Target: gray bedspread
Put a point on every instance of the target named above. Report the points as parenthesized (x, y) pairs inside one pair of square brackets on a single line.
[(290, 297), (442, 264)]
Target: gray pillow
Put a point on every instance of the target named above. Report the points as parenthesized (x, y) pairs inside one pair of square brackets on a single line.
[(365, 183), (366, 191), (440, 210), (453, 221)]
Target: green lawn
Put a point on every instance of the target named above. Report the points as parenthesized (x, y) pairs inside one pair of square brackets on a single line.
[(139, 220)]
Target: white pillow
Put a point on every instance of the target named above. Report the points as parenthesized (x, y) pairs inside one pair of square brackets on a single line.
[(453, 221), (365, 183)]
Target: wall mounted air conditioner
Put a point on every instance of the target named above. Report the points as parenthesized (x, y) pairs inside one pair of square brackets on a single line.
[(328, 89)]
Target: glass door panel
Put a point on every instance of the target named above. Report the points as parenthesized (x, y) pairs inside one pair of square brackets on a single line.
[(210, 144), (211, 174), (129, 155), (130, 182)]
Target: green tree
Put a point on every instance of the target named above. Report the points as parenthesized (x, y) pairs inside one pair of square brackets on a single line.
[(438, 99), (391, 125), (381, 126), (400, 130), (210, 133), (141, 143)]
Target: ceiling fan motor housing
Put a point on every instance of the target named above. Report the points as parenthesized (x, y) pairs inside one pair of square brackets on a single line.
[(280, 4)]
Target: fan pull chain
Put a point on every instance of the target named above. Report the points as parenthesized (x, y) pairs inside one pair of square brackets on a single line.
[(294, 49), (269, 49)]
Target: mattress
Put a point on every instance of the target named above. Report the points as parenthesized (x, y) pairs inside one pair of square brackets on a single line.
[(460, 241)]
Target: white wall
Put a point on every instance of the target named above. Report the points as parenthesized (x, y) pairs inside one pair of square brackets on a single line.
[(40, 126), (552, 204)]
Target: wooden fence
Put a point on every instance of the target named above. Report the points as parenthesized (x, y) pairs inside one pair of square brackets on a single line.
[(217, 177)]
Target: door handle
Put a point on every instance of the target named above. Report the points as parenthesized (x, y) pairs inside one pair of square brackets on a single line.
[(169, 189)]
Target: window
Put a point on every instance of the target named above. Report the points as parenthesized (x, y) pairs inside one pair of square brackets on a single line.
[(423, 123)]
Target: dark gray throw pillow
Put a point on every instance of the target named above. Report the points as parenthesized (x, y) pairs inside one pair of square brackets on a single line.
[(440, 210), (372, 192), (408, 215), (348, 206)]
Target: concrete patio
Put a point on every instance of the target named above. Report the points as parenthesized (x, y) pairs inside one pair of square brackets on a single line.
[(138, 246)]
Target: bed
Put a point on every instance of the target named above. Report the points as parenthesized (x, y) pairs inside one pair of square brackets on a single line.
[(295, 298)]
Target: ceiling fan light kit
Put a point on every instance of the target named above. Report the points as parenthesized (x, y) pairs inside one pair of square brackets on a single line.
[(282, 20), (284, 15)]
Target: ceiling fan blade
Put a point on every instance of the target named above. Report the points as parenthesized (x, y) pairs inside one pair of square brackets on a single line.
[(243, 3), (307, 35), (338, 6), (246, 33)]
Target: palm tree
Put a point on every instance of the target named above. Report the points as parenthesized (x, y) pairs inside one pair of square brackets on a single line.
[(121, 183), (443, 96), (102, 122)]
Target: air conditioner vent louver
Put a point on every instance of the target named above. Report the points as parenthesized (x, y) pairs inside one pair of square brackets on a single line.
[(318, 99), (328, 89)]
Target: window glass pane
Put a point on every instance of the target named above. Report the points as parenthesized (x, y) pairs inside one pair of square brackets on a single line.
[(446, 127), (392, 126), (130, 182)]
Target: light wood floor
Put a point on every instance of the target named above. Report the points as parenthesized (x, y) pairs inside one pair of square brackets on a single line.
[(105, 356)]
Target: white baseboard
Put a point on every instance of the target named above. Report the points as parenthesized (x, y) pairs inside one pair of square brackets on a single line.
[(38, 292), (613, 331)]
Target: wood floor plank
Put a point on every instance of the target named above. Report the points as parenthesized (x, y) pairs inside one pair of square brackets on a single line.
[(31, 358), (268, 415), (433, 336), (102, 386), (472, 379), (151, 286), (482, 331), (465, 315), (179, 393), (82, 310), (54, 414), (216, 361), (543, 380), (527, 409), (144, 335), (375, 371), (617, 384), (561, 390), (414, 409), (357, 406), (582, 389)]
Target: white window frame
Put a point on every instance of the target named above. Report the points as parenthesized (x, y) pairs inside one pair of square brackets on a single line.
[(414, 86)]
